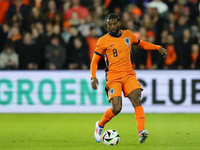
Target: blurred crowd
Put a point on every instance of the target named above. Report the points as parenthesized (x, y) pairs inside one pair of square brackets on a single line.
[(62, 34)]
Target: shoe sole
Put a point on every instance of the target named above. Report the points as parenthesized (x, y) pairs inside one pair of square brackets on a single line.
[(97, 140), (145, 134)]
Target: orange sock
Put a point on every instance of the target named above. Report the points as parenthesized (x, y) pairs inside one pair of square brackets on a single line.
[(140, 117), (108, 115)]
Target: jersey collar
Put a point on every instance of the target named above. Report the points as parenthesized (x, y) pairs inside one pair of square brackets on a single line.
[(116, 35)]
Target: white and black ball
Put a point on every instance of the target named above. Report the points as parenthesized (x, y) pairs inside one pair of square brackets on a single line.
[(110, 137)]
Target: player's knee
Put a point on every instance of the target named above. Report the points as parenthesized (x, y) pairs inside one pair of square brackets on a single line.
[(135, 98), (137, 101), (116, 109)]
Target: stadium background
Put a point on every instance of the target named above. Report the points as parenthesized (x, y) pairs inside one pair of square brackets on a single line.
[(46, 101), (61, 35), (46, 48)]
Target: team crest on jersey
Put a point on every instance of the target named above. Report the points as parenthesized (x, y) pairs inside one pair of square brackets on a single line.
[(112, 91), (127, 41)]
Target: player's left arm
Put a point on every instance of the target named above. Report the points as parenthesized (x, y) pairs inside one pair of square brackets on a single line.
[(149, 46), (146, 45), (163, 51)]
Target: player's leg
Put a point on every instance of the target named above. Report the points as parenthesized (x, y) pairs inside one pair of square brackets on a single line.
[(135, 98), (132, 89), (108, 115), (113, 92), (114, 96), (111, 112)]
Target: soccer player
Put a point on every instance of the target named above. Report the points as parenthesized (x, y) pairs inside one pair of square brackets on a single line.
[(120, 76)]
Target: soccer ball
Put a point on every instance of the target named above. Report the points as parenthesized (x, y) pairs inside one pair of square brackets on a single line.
[(110, 137)]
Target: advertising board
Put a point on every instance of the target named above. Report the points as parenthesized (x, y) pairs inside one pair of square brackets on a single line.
[(71, 92)]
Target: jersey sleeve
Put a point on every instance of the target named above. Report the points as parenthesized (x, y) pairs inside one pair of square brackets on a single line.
[(93, 65), (148, 46), (133, 39), (143, 44), (100, 48)]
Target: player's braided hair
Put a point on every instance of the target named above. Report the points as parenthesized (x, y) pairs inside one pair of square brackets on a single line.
[(113, 16)]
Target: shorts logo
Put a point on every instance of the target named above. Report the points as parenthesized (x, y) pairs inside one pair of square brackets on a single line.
[(127, 41), (112, 91)]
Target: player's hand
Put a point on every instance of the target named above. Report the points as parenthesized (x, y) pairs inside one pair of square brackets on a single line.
[(94, 83), (163, 51)]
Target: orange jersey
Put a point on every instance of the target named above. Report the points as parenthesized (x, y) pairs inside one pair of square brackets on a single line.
[(117, 52)]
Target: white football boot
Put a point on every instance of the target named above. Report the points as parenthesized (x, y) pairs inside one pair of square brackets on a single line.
[(143, 135), (98, 132)]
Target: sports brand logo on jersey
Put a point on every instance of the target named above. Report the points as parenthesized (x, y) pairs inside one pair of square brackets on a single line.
[(112, 91), (112, 45), (127, 41)]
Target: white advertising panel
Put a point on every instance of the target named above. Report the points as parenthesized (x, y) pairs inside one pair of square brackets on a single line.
[(71, 92)]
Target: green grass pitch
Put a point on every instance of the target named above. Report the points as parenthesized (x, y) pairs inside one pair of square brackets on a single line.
[(75, 132)]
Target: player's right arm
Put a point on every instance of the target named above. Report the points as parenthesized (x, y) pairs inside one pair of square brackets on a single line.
[(93, 70), (94, 63)]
